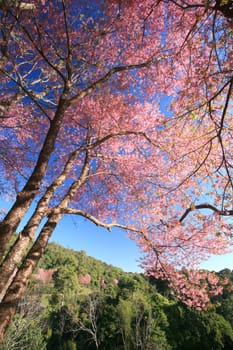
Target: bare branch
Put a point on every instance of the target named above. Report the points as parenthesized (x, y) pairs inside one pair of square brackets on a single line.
[(108, 75), (123, 133), (92, 218), (205, 206)]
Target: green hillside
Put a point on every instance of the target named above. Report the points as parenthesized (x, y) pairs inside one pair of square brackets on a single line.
[(75, 302)]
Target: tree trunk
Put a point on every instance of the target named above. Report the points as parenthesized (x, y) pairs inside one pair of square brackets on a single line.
[(18, 250), (24, 199), (13, 258), (19, 284)]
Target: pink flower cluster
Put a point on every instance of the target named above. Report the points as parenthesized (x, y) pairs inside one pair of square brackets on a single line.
[(45, 276), (86, 279)]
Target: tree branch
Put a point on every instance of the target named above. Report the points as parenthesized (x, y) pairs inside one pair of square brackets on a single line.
[(108, 75), (205, 206), (123, 133), (92, 218)]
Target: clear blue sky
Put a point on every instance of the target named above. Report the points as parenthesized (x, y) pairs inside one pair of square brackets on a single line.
[(113, 247)]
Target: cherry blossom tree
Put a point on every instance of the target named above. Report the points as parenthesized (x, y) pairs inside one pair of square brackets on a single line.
[(86, 279), (119, 112), (45, 276)]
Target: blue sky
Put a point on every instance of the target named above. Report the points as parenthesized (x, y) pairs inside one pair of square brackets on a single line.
[(113, 247)]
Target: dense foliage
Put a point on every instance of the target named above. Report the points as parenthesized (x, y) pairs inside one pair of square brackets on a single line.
[(77, 302)]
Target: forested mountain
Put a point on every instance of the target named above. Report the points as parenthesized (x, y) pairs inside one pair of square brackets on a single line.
[(75, 302)]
